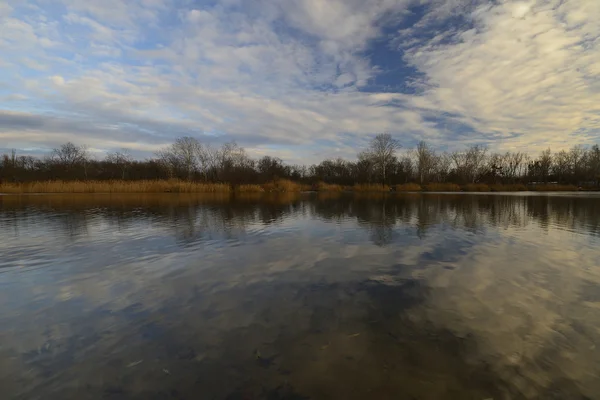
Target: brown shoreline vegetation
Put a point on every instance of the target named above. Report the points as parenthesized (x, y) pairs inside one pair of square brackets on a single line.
[(191, 166), (276, 186)]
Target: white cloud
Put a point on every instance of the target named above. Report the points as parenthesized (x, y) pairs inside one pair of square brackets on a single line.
[(5, 10), (291, 73), (100, 32), (521, 69), (58, 80)]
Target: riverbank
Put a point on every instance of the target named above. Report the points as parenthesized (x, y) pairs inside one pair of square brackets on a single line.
[(177, 186)]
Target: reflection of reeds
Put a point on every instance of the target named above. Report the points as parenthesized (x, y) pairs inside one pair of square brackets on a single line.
[(82, 200), (554, 188), (370, 188), (149, 186), (517, 187), (329, 195), (269, 198), (424, 210), (371, 195)]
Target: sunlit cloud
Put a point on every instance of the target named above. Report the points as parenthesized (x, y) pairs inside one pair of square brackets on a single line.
[(303, 80)]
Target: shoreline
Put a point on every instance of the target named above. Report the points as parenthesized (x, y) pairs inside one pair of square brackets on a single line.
[(274, 187)]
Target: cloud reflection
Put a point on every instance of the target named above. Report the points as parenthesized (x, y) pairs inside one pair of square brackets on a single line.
[(483, 296)]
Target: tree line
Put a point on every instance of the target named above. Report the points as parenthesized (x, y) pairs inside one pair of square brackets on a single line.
[(382, 162)]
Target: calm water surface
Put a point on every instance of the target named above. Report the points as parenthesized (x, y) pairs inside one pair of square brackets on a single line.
[(417, 296)]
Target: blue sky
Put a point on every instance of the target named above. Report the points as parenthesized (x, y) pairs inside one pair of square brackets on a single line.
[(303, 79)]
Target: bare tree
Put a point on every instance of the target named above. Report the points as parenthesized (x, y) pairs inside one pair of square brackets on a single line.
[(426, 161), (181, 156), (470, 165), (186, 149), (364, 168), (206, 158), (85, 160), (168, 161), (69, 155), (545, 164), (594, 164), (496, 165), (540, 169), (405, 169), (459, 159), (382, 150), (232, 155), (122, 159), (233, 162), (476, 157), (577, 159), (561, 165), (513, 165), (441, 166), (26, 162)]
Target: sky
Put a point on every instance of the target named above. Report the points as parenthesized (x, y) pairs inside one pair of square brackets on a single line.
[(302, 80)]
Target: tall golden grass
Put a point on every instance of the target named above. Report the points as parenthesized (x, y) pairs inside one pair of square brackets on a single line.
[(441, 187), (369, 187), (476, 187), (408, 187), (326, 187), (249, 189), (149, 186), (284, 185), (279, 186)]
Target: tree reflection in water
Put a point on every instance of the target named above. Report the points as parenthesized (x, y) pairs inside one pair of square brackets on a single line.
[(299, 296)]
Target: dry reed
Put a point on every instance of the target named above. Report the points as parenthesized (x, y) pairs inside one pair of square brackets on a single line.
[(441, 187), (282, 185), (249, 189), (326, 187), (147, 186), (476, 187), (408, 187), (370, 188)]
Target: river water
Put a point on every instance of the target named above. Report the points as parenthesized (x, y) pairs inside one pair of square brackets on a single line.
[(404, 296)]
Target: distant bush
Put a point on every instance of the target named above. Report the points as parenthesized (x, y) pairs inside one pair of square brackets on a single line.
[(441, 187)]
